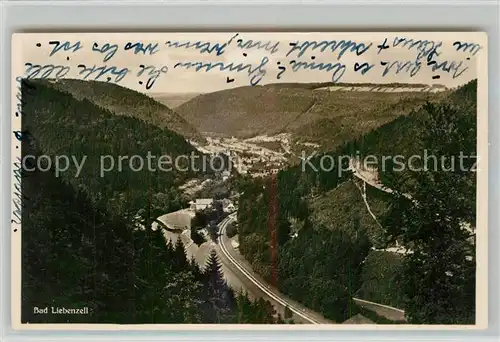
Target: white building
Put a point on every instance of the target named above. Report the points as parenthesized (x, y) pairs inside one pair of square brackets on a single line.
[(201, 204), (225, 174)]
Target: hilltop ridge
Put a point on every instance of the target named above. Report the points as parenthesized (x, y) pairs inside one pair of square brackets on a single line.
[(126, 102), (327, 118)]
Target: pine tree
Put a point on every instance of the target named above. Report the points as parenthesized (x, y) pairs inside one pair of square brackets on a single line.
[(195, 269), (180, 261), (264, 312), (244, 306), (218, 296), (183, 296), (169, 250)]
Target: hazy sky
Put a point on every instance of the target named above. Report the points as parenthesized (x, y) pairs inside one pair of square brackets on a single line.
[(35, 48)]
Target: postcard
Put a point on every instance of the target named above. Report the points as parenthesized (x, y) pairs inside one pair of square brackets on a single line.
[(229, 180)]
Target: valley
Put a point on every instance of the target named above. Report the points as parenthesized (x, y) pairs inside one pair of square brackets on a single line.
[(258, 240)]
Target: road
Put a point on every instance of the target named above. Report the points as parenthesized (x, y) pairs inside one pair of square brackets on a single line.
[(239, 275), (371, 178), (386, 311), (305, 315), (274, 296)]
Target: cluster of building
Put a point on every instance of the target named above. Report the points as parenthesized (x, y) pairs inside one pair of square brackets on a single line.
[(247, 156), (200, 204)]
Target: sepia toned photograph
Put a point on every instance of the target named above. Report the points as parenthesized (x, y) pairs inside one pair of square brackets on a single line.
[(331, 180)]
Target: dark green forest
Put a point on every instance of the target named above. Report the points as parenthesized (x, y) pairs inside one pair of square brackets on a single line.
[(81, 243), (62, 125), (325, 268)]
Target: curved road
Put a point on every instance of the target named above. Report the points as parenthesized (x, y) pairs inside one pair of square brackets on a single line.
[(389, 312), (301, 312)]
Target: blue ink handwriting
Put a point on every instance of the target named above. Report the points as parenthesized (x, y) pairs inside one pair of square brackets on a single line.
[(467, 47), (33, 70), (424, 47), (448, 66), (407, 67), (282, 69), (336, 76), (139, 47), (365, 67), (203, 47), (153, 74), (258, 45), (256, 73), (108, 49), (332, 45), (382, 46), (19, 134), (17, 199), (65, 46), (28, 88), (102, 71)]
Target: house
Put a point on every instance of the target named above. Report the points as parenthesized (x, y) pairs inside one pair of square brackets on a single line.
[(225, 175), (201, 204)]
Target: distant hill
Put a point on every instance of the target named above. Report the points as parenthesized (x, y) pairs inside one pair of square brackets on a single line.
[(173, 100), (124, 101), (323, 117), (364, 84)]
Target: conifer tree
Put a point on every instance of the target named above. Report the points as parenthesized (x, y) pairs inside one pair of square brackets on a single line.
[(244, 306), (218, 295), (180, 261)]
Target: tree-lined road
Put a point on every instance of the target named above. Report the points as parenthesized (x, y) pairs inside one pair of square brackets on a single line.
[(228, 256)]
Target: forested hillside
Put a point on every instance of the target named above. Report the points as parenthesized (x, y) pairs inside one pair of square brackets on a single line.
[(63, 125), (83, 244), (405, 136), (124, 101), (323, 117), (309, 233)]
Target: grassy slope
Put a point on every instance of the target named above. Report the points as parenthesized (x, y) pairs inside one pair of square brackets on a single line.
[(336, 209), (379, 283)]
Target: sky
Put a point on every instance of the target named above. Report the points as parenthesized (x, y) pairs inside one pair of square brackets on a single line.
[(35, 48)]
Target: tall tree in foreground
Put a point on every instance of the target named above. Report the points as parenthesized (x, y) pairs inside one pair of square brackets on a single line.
[(218, 295), (180, 259), (438, 279)]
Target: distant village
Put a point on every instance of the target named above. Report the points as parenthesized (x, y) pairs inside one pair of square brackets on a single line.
[(259, 156), (254, 157), (201, 204)]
